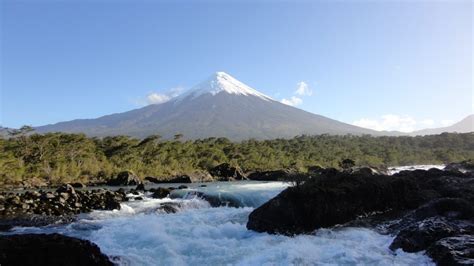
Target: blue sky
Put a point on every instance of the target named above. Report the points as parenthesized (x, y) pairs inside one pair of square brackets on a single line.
[(386, 65)]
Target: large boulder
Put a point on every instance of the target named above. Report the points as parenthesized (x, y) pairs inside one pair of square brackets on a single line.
[(277, 175), (226, 172), (339, 197), (173, 179), (159, 193), (125, 178), (53, 249)]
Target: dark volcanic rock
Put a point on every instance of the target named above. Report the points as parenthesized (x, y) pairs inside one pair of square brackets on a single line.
[(161, 192), (65, 201), (169, 207), (226, 172), (464, 166), (140, 187), (421, 235), (7, 223), (175, 179), (53, 249), (66, 188), (452, 208), (338, 197), (201, 176), (458, 250), (78, 185), (152, 179), (278, 175), (125, 178)]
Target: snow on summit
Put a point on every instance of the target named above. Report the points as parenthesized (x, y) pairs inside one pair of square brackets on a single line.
[(223, 82)]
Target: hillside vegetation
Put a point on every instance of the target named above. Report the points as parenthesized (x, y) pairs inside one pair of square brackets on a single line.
[(55, 158)]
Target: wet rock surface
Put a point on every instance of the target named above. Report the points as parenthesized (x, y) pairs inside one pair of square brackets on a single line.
[(433, 210), (464, 166), (226, 172), (125, 178), (49, 249), (277, 175), (159, 193), (458, 250), (18, 208), (174, 179)]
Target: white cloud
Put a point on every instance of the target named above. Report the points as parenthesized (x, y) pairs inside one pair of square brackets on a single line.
[(157, 98), (303, 89), (427, 122), (293, 101), (447, 122), (389, 122)]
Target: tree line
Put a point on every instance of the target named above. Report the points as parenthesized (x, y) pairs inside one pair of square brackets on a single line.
[(59, 157)]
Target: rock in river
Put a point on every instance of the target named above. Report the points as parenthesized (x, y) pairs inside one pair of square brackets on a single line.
[(125, 178), (49, 249)]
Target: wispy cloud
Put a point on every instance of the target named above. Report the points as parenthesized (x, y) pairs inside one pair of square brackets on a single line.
[(447, 122), (302, 90), (293, 101), (427, 122), (159, 97), (391, 122)]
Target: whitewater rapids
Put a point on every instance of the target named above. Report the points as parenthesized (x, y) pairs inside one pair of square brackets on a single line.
[(143, 234)]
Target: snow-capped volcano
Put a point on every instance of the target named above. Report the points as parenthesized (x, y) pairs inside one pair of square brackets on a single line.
[(223, 82), (221, 106)]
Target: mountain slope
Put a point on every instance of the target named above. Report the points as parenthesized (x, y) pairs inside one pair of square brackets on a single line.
[(464, 126), (218, 107)]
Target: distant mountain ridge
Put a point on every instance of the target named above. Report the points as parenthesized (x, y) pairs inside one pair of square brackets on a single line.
[(464, 126), (221, 106)]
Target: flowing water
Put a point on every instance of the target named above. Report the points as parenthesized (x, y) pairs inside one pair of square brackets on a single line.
[(142, 233)]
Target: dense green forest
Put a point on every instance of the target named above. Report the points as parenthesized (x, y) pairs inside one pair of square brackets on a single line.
[(58, 157)]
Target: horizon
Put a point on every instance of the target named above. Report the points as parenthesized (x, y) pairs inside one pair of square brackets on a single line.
[(400, 69)]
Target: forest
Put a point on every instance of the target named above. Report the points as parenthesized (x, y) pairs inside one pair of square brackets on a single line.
[(54, 158)]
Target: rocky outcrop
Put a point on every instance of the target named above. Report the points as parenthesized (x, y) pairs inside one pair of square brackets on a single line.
[(440, 227), (434, 209), (226, 172), (464, 166), (52, 249), (458, 250), (62, 202), (125, 178), (159, 193), (277, 175), (338, 197), (174, 179), (422, 234)]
